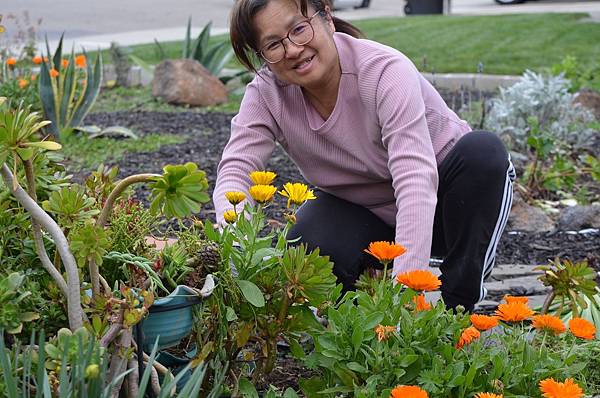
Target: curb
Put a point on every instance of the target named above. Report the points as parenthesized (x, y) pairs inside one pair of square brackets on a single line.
[(448, 81)]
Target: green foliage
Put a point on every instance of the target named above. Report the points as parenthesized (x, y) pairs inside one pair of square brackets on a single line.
[(11, 314), (571, 283), (129, 225), (75, 367), (68, 97), (22, 89), (581, 76), (420, 348), (213, 58), (266, 290), (18, 129), (89, 242), (179, 191), (71, 206)]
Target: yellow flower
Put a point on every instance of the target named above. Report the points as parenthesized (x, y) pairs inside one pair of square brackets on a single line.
[(550, 388), (549, 322), (408, 392), (230, 216), (262, 177), (582, 328), (297, 193), (262, 193), (467, 336), (419, 280), (385, 251), (382, 331), (484, 322), (515, 311), (488, 395), (235, 197), (420, 303)]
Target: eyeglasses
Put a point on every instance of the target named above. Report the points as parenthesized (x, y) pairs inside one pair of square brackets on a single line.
[(300, 34)]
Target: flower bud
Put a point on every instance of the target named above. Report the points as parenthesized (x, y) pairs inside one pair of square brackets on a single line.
[(92, 371)]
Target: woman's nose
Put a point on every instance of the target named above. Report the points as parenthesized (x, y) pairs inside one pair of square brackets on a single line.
[(292, 50)]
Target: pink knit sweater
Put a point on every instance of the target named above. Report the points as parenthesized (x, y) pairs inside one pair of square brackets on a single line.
[(379, 148)]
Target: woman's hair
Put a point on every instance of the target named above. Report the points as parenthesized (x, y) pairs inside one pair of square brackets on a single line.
[(243, 35)]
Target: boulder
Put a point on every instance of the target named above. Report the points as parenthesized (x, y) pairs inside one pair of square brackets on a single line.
[(589, 99), (524, 217), (576, 218), (187, 82)]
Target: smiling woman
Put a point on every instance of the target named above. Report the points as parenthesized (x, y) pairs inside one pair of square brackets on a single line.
[(389, 159)]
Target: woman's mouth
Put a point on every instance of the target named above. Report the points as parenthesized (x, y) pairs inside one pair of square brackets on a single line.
[(304, 64)]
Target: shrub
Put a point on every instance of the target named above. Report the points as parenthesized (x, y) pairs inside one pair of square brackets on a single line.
[(547, 99)]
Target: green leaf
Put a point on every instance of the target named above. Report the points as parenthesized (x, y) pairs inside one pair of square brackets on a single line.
[(251, 293), (247, 389), (230, 314), (356, 367), (48, 145)]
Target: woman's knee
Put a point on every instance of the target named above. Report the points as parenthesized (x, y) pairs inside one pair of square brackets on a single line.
[(484, 152)]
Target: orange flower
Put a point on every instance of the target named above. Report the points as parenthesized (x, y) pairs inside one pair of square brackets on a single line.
[(488, 395), (23, 83), (80, 61), (11, 61), (582, 328), (53, 73), (553, 389), (484, 322), (419, 280), (514, 312), (45, 59), (516, 299), (382, 331), (385, 251), (467, 336), (64, 63), (420, 303), (408, 392), (37, 59), (33, 77), (550, 323)]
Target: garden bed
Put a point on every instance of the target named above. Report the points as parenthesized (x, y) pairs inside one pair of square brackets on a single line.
[(206, 135)]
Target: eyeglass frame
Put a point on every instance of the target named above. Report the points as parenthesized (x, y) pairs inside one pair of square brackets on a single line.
[(309, 20)]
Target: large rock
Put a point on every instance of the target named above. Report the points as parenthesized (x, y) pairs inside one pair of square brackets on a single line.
[(524, 217), (579, 217), (589, 99), (186, 81)]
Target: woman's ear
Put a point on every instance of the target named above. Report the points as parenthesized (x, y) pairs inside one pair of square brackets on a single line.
[(329, 18)]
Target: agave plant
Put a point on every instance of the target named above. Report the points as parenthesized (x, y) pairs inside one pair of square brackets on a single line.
[(68, 89)]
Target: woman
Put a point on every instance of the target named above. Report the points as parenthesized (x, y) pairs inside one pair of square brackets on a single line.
[(390, 160)]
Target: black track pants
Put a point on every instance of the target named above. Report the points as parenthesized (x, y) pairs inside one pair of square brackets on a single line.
[(474, 199)]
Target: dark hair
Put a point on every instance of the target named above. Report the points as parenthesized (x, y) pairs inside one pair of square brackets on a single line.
[(243, 35)]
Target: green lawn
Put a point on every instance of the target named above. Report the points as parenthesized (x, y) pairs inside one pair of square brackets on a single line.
[(505, 44)]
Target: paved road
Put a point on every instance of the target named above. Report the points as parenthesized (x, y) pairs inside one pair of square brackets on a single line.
[(97, 23)]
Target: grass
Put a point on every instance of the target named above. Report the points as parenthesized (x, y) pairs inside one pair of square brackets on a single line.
[(505, 44), (140, 98), (88, 153)]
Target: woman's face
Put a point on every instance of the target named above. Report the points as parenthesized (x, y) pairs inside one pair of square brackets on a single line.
[(309, 65)]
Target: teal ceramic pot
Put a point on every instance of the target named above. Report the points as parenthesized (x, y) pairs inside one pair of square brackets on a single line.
[(169, 319)]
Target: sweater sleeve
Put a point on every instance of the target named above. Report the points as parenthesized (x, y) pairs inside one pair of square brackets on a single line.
[(250, 145), (411, 160)]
